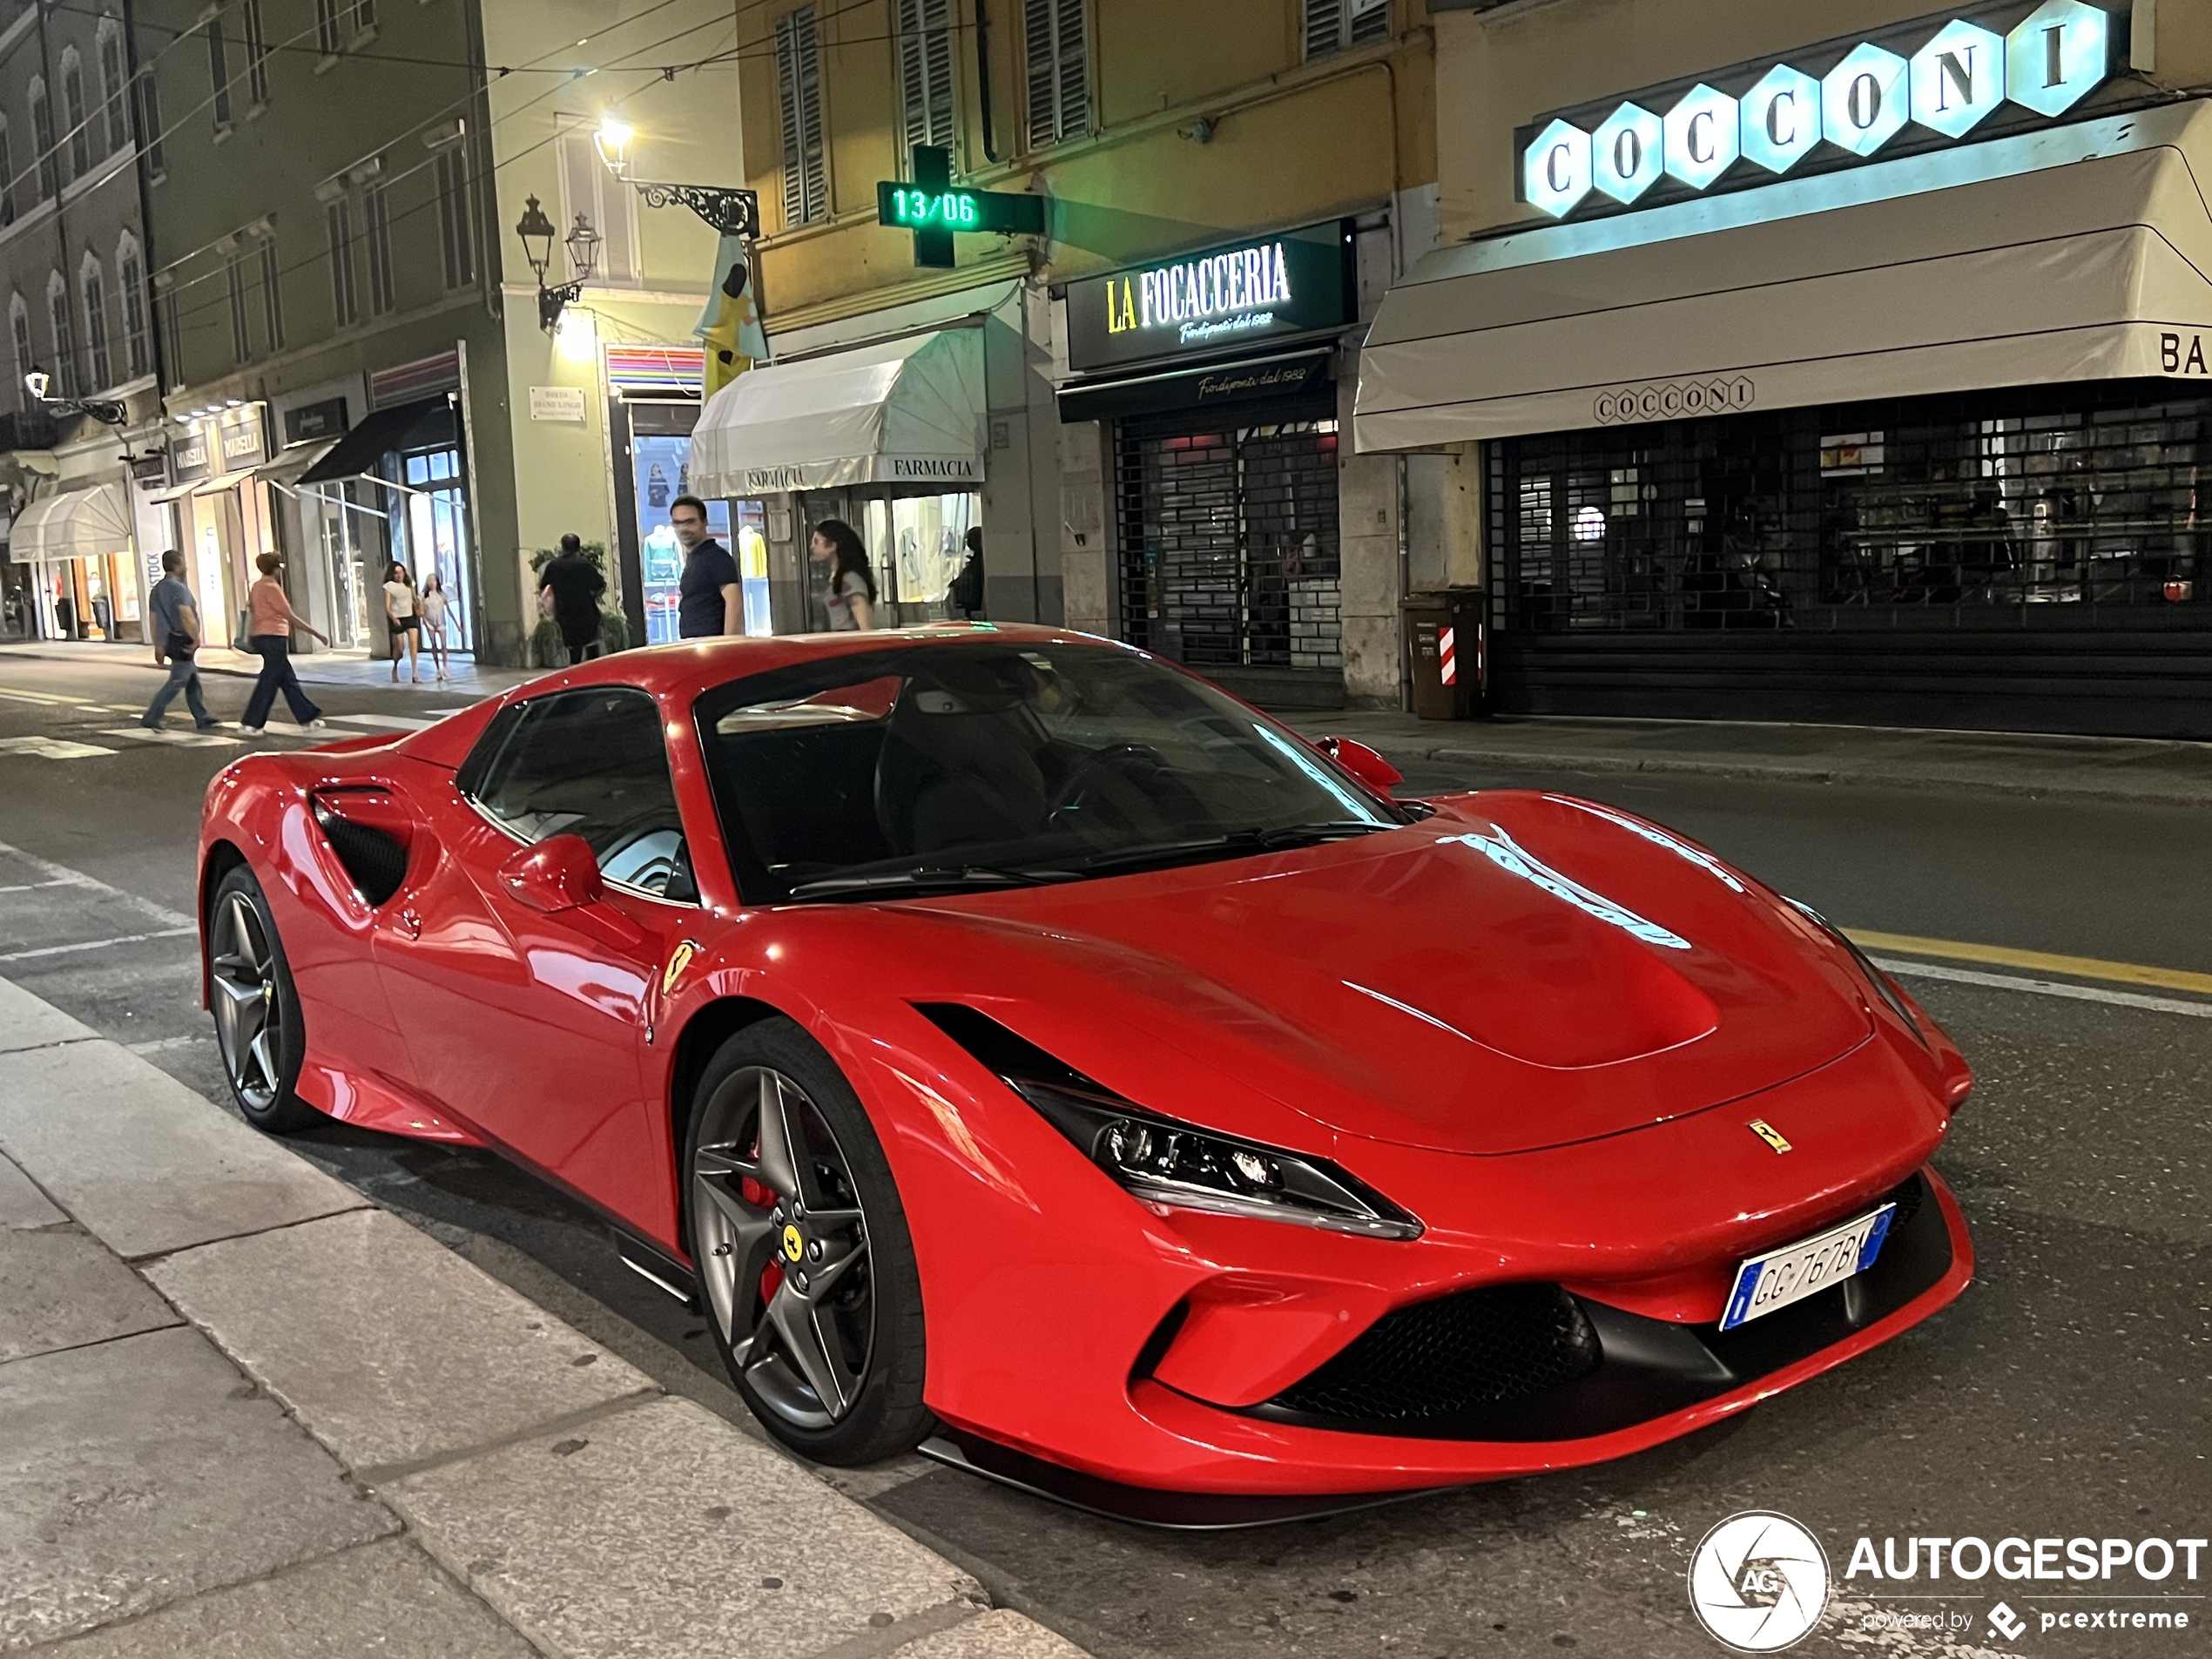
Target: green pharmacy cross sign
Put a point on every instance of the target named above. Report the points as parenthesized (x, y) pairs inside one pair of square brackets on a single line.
[(932, 209)]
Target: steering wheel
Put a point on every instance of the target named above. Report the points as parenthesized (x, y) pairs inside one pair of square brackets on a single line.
[(1101, 788)]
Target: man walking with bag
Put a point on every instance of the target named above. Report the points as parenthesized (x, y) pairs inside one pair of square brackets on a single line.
[(176, 638)]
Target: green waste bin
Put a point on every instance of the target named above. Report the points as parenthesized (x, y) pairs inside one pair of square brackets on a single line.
[(1444, 642)]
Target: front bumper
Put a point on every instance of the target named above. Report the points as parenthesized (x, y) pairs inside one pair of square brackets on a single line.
[(1654, 1380)]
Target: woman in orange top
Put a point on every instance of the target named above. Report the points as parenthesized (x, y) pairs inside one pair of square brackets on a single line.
[(269, 631)]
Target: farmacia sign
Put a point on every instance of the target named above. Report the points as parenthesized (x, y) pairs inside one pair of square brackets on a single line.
[(1834, 104)]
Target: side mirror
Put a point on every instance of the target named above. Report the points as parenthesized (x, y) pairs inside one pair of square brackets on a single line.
[(1362, 763), (560, 872)]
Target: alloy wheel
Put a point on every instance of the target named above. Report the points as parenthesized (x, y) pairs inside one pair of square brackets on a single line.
[(782, 1247), (249, 1013)]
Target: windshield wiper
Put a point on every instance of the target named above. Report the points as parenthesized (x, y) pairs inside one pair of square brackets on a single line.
[(1234, 844), (949, 879)]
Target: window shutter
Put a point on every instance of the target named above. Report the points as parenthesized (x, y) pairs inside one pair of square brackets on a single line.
[(937, 15), (456, 229), (1332, 25), (926, 72), (618, 243), (272, 295), (1324, 27), (1059, 71), (798, 85)]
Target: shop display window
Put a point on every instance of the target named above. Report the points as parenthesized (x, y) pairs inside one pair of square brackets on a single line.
[(1920, 511), (660, 465), (917, 545)]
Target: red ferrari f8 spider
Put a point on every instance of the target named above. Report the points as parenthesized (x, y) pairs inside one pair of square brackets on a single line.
[(1018, 1045)]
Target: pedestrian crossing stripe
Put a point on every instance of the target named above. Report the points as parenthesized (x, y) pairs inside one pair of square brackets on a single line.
[(51, 748), (49, 699), (178, 739), (395, 722)]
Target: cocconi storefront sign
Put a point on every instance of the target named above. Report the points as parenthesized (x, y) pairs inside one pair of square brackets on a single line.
[(1760, 120)]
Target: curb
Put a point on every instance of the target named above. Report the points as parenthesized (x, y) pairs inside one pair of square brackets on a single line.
[(566, 1494), (1778, 771)]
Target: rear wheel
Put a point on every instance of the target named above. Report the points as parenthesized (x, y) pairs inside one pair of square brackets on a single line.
[(802, 1251), (257, 1011)]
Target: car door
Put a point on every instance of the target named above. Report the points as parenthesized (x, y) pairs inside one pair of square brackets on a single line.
[(526, 1021)]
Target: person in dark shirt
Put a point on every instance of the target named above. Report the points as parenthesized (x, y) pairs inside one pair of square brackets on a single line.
[(709, 600), (966, 595), (574, 584)]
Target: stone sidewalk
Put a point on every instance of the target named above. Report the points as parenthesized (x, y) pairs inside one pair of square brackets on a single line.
[(244, 1411), (2132, 769), (315, 668)]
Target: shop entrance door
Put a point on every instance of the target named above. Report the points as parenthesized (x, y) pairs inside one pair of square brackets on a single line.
[(436, 536), (1230, 553)]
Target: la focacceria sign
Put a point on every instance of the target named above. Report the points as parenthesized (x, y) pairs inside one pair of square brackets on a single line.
[(1215, 300), (1914, 85)]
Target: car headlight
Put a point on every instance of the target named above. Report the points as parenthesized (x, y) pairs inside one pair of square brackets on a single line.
[(1161, 1161), (1875, 977)]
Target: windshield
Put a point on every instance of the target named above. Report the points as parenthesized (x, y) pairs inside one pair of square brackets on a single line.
[(969, 763)]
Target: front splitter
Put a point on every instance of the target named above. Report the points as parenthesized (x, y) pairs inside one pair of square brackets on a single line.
[(1144, 1505)]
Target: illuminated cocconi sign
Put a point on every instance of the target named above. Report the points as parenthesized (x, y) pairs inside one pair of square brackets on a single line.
[(1220, 299), (1766, 119)]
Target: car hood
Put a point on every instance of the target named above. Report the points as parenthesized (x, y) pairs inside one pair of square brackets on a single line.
[(1519, 971)]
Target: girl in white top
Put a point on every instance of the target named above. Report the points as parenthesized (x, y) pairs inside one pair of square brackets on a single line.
[(432, 598), (406, 619)]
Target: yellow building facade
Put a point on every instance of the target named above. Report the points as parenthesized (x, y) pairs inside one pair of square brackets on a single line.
[(1186, 491)]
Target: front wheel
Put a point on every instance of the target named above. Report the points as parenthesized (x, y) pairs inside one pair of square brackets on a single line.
[(257, 1011), (802, 1251)]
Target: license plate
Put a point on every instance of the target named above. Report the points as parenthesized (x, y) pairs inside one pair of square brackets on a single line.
[(1795, 1271)]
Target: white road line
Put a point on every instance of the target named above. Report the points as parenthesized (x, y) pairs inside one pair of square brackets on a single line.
[(397, 722), (47, 697), (51, 748), (95, 944), (2046, 988), (178, 739), (33, 887), (61, 875)]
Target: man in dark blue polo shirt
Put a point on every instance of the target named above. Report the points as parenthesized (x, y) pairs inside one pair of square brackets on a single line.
[(172, 620), (710, 599)]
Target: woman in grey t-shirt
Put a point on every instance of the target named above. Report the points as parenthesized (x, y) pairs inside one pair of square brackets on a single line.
[(852, 584)]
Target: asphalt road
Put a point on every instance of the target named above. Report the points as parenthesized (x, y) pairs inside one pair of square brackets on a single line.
[(2065, 1395)]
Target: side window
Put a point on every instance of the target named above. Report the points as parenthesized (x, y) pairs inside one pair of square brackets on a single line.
[(591, 763)]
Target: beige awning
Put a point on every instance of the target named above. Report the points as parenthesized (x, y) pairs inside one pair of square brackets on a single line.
[(2072, 253), (902, 412), (72, 525)]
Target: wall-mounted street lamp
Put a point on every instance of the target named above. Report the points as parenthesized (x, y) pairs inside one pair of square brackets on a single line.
[(583, 244), (727, 211), (107, 411)]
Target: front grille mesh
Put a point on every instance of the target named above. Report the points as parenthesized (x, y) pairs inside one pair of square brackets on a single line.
[(1907, 1197), (1438, 1360)]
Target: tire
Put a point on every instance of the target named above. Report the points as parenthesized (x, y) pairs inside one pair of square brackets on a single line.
[(804, 1264), (258, 1030)]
